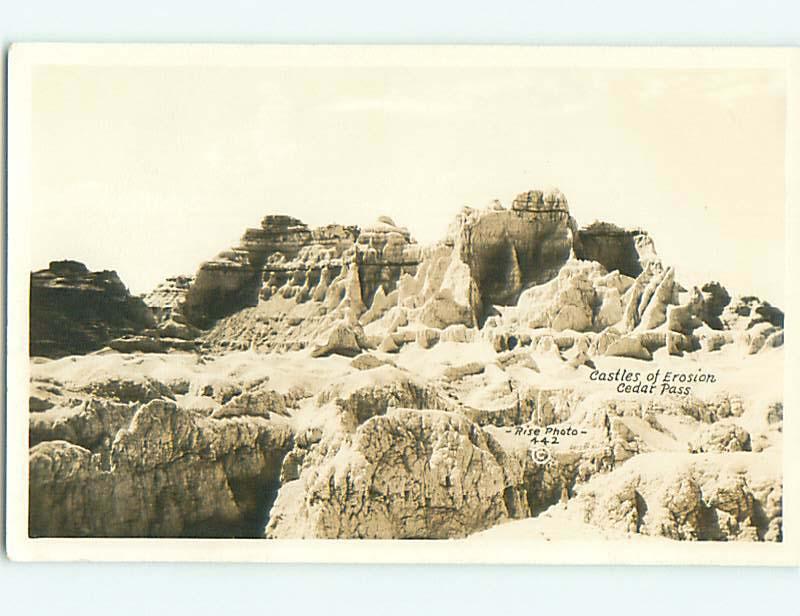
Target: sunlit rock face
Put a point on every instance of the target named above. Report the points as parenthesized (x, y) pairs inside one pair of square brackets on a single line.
[(160, 471), (165, 300), (417, 474)]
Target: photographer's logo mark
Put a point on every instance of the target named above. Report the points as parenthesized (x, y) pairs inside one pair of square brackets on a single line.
[(541, 454)]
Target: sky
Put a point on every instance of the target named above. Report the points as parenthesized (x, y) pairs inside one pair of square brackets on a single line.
[(151, 170)]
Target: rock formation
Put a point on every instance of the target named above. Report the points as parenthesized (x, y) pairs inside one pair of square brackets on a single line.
[(75, 311), (120, 458), (507, 251), (285, 256), (502, 274), (408, 474), (627, 251), (166, 299), (340, 382)]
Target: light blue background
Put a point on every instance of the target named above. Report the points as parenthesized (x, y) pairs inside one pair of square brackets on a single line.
[(140, 589)]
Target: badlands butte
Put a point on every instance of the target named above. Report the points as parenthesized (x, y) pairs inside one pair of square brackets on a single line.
[(345, 382)]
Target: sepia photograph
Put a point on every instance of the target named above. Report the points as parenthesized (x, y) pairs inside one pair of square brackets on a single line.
[(481, 304)]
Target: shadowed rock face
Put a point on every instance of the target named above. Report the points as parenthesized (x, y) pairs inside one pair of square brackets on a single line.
[(75, 311), (510, 250), (384, 252), (232, 280), (615, 248), (220, 288)]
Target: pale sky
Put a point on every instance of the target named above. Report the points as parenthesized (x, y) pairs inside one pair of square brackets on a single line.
[(152, 170)]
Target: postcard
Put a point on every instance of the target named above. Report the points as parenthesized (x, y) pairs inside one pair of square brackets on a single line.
[(458, 304)]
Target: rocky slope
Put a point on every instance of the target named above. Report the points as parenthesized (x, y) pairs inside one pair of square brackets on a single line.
[(349, 383), (134, 456), (245, 444)]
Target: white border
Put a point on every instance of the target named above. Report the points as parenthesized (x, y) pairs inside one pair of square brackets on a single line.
[(22, 60)]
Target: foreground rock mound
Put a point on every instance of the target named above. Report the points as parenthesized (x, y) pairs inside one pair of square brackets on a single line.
[(706, 501), (153, 469), (409, 475)]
